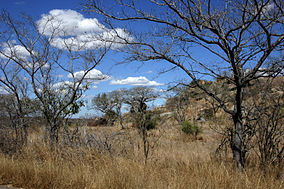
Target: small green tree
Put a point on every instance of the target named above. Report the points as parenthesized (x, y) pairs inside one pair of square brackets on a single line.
[(190, 128)]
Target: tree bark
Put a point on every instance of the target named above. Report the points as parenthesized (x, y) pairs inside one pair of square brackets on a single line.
[(237, 142), (53, 135)]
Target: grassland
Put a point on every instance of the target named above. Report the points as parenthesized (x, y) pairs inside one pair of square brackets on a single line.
[(175, 161)]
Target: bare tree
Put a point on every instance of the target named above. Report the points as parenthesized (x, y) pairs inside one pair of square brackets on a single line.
[(266, 120), (179, 103), (16, 106), (241, 37), (33, 47)]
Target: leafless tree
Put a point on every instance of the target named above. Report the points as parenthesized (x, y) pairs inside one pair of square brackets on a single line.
[(179, 103), (266, 120), (34, 52), (241, 37), (17, 108)]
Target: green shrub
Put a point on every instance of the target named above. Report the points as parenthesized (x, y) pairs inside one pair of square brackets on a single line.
[(190, 128), (110, 117), (151, 120)]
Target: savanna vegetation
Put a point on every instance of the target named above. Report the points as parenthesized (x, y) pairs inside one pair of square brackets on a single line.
[(225, 131), (166, 156)]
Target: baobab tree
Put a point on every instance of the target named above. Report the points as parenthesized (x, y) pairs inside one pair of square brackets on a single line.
[(110, 104), (137, 98), (243, 38)]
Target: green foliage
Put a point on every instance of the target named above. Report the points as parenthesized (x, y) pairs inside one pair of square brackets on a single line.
[(74, 107), (103, 103), (190, 128), (151, 120), (110, 117)]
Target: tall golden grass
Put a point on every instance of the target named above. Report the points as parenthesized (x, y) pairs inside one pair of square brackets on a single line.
[(174, 163)]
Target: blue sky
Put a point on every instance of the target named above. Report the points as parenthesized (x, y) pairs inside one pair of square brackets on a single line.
[(120, 75), (81, 25)]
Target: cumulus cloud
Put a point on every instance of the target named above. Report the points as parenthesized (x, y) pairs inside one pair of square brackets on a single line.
[(18, 52), (67, 22), (72, 29), (265, 72), (62, 84), (135, 81), (11, 50), (93, 75), (61, 87)]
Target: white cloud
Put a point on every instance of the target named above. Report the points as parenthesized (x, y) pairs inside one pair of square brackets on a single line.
[(268, 8), (20, 53), (72, 29), (135, 81), (67, 23), (10, 49), (36, 65), (94, 74), (62, 84), (61, 87)]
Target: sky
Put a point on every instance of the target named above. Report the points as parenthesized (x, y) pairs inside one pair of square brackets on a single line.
[(82, 26), (117, 75)]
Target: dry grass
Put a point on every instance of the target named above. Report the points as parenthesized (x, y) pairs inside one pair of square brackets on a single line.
[(175, 162)]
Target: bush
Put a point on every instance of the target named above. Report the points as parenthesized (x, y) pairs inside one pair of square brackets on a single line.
[(110, 117), (151, 120), (8, 144), (189, 128)]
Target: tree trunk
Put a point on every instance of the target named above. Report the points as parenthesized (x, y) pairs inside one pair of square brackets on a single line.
[(237, 144), (51, 132), (53, 135), (24, 131), (237, 141), (46, 132)]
